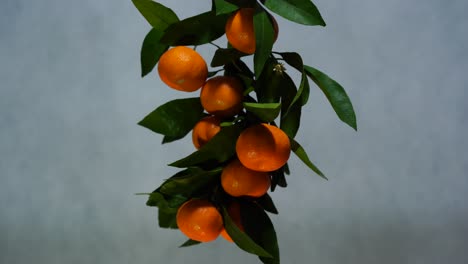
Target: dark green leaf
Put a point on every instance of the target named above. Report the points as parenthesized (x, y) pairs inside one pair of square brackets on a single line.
[(302, 155), (264, 38), (151, 51), (225, 56), (293, 59), (335, 94), (169, 139), (305, 92), (299, 11), (290, 117), (175, 118), (259, 227), (267, 204), (155, 199), (278, 179), (286, 169), (268, 87), (159, 16), (224, 7), (241, 239), (267, 112), (167, 218), (219, 149), (189, 243), (189, 181), (196, 30)]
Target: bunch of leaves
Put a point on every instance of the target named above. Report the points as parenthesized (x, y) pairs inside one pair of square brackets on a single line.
[(270, 96)]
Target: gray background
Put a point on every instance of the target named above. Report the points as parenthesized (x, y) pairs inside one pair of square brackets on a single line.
[(72, 156)]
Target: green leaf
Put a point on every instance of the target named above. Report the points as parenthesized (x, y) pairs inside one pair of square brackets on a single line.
[(174, 119), (267, 112), (299, 11), (335, 94), (267, 204), (151, 51), (167, 218), (293, 59), (219, 149), (189, 181), (225, 56), (268, 87), (278, 179), (242, 240), (224, 7), (264, 38), (159, 16), (302, 155), (189, 243), (305, 92), (155, 199), (259, 227), (290, 116), (196, 30)]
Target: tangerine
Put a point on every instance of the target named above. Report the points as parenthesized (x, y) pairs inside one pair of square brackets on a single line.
[(237, 180), (183, 69), (204, 130), (240, 30), (263, 147), (199, 220), (222, 96)]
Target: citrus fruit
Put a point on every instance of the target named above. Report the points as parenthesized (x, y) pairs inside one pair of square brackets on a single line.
[(237, 180), (240, 30), (199, 220), (222, 96), (263, 147), (235, 214), (204, 130), (183, 69)]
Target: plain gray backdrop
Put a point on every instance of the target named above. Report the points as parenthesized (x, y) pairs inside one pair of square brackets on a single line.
[(72, 155)]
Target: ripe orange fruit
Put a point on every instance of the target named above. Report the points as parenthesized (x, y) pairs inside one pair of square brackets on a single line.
[(183, 69), (235, 214), (222, 96), (199, 220), (263, 147), (238, 180), (204, 130), (240, 30)]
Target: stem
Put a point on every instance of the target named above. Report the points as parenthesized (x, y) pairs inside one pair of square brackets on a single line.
[(215, 45)]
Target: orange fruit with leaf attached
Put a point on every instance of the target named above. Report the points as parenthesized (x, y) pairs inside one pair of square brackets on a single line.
[(240, 30), (237, 180), (204, 130), (222, 96), (263, 147), (199, 220), (235, 214), (183, 69)]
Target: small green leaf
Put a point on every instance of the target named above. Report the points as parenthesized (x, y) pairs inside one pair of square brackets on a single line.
[(267, 112), (224, 7), (219, 149), (189, 181), (167, 218), (189, 243), (225, 56), (302, 155), (174, 119), (335, 94), (299, 11), (196, 30), (158, 15), (264, 38), (151, 51), (242, 240), (267, 204), (259, 227), (293, 59), (290, 116)]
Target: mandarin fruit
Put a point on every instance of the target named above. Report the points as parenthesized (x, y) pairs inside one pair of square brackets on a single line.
[(199, 220), (183, 69), (263, 147), (237, 180), (204, 130), (222, 96), (240, 30)]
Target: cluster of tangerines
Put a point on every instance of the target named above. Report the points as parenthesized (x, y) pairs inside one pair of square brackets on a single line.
[(260, 149)]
